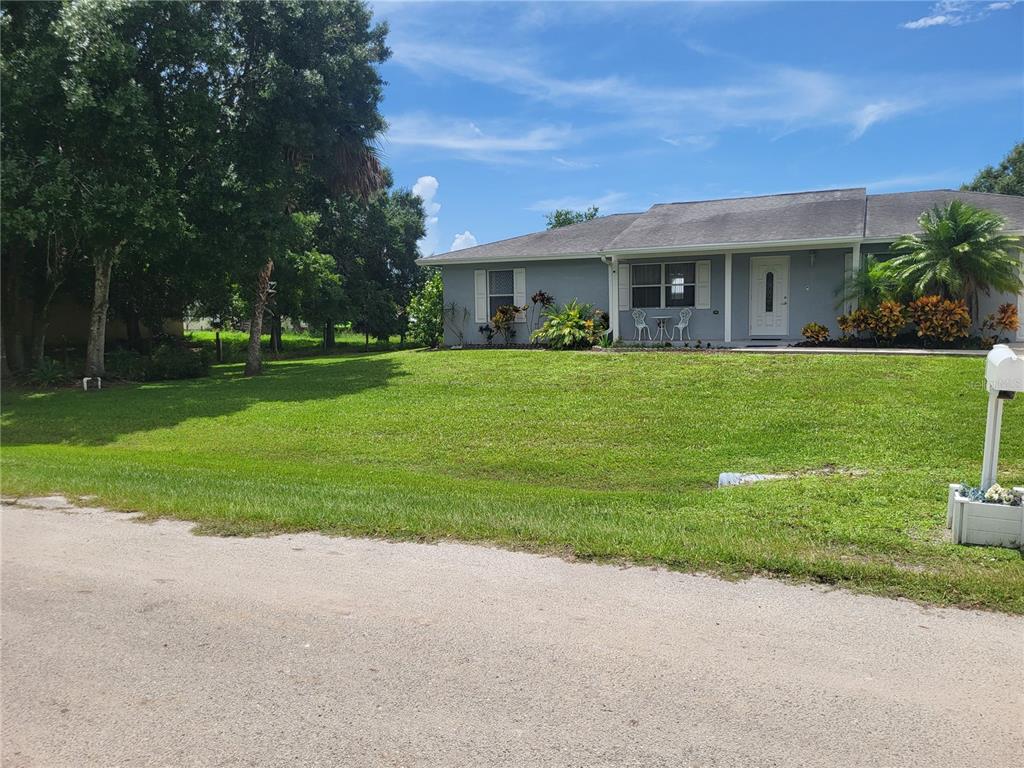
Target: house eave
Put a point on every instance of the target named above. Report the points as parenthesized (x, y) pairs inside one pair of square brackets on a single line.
[(429, 261), (709, 248)]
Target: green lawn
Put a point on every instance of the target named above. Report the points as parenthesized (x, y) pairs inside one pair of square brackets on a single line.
[(608, 456), (235, 344)]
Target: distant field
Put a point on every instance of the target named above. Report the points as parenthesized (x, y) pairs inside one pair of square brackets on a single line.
[(607, 456), (235, 343)]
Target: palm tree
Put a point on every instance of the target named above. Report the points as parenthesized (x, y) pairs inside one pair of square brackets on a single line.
[(961, 250), (870, 285)]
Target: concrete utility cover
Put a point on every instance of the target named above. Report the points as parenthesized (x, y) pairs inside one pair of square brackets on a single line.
[(128, 644)]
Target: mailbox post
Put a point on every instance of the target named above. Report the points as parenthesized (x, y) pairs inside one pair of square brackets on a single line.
[(1004, 377)]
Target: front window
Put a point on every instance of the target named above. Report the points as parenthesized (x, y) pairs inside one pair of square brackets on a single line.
[(672, 284), (500, 289), (680, 284)]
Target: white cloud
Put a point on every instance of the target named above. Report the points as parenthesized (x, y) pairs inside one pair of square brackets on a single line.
[(425, 189), (573, 165), (870, 114), (939, 179), (609, 202), (463, 240), (696, 142), (494, 142), (760, 95), (955, 13)]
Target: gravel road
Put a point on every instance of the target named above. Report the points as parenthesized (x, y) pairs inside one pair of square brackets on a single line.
[(144, 645)]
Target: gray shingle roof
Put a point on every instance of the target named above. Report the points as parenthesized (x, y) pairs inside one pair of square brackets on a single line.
[(896, 214), (585, 237), (802, 216), (799, 216)]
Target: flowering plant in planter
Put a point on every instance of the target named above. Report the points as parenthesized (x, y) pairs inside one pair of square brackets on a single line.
[(996, 494)]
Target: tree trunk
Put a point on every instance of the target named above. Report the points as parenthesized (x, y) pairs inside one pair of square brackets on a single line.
[(94, 363), (275, 333), (17, 351), (329, 341), (5, 371), (9, 310), (40, 322), (254, 362), (134, 326)]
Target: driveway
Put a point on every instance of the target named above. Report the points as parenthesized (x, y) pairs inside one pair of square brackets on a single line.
[(144, 645)]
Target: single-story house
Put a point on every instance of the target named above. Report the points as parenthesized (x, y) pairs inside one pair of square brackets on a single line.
[(750, 269)]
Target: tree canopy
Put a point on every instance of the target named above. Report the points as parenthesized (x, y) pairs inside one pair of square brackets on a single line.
[(1007, 178), (181, 155), (563, 217)]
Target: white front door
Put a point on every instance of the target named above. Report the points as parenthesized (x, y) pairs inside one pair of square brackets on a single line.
[(769, 296)]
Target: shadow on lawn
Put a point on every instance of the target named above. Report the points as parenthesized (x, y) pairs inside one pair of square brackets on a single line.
[(73, 417)]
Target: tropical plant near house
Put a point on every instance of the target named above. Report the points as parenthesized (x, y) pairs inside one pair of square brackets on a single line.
[(870, 285), (815, 333), (1004, 320), (572, 326), (960, 252), (504, 321), (887, 320), (856, 322), (939, 319)]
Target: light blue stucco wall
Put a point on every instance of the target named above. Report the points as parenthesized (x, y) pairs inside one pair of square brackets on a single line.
[(705, 324), (814, 277), (582, 279)]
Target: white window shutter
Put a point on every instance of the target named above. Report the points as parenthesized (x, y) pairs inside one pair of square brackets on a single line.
[(703, 290), (480, 285), (624, 291), (519, 292)]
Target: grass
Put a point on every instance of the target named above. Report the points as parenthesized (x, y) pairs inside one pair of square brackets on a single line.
[(235, 344), (610, 457)]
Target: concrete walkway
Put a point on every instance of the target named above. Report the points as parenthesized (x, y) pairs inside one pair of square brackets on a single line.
[(143, 645)]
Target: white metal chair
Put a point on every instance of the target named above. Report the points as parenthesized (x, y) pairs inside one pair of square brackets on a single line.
[(684, 324), (640, 321)]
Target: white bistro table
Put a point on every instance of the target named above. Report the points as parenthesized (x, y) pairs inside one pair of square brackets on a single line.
[(662, 322)]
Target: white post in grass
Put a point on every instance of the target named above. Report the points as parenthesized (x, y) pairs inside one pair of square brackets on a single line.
[(1004, 377)]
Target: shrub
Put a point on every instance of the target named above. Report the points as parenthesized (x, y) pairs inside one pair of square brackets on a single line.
[(1003, 320), (858, 321), (940, 320), (572, 326), (816, 333), (426, 312), (173, 360), (127, 364), (487, 332), (887, 320), (504, 321), (49, 373)]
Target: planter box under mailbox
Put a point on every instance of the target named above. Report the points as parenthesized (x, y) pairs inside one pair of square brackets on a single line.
[(984, 523)]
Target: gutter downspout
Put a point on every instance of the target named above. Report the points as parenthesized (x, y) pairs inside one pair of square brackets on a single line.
[(613, 294)]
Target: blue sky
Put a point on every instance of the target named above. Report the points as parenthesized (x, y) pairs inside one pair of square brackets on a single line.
[(500, 112)]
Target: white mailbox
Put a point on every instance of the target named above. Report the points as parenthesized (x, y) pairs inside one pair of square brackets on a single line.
[(1004, 377), (1004, 370)]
